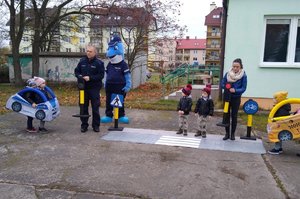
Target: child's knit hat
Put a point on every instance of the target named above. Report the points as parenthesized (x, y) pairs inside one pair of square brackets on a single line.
[(189, 86), (207, 89), (187, 90), (31, 83), (280, 96), (39, 80)]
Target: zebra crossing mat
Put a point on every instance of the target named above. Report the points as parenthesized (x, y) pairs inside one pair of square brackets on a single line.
[(169, 138), (179, 141)]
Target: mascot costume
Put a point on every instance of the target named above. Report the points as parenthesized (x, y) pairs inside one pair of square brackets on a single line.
[(118, 79)]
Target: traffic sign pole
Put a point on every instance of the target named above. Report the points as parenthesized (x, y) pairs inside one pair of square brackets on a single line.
[(81, 86), (227, 97), (250, 107), (116, 102)]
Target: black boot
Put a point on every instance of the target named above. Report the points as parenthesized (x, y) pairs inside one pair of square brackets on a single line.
[(185, 132), (226, 137), (180, 131), (232, 136), (198, 133)]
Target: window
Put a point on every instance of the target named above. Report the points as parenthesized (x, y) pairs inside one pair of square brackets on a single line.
[(117, 18), (82, 50), (66, 39), (282, 41), (81, 29), (26, 49), (195, 51), (68, 49), (82, 40), (67, 29), (25, 39), (216, 16), (215, 29)]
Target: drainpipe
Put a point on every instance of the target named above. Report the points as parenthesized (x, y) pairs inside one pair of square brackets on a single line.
[(224, 21)]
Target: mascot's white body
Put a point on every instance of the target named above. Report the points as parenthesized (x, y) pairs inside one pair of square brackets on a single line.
[(118, 79)]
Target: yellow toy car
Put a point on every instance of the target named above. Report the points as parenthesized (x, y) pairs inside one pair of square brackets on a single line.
[(286, 127)]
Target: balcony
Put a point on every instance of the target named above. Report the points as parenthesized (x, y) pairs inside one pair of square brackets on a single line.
[(213, 34), (212, 58), (95, 34), (213, 46)]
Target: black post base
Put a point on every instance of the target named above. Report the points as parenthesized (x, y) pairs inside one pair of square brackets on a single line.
[(115, 129), (248, 138)]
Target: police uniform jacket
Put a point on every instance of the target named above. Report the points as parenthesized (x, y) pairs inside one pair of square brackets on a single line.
[(115, 73), (93, 68)]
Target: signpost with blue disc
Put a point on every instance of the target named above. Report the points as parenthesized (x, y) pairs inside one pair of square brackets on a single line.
[(250, 107)]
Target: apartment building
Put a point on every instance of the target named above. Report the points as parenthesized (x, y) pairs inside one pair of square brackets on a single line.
[(161, 54), (95, 29), (213, 21), (190, 51)]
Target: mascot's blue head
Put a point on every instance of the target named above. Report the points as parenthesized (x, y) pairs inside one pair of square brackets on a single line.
[(115, 51)]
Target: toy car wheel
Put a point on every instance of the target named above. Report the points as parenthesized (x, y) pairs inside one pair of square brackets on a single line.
[(16, 106), (40, 115), (285, 135)]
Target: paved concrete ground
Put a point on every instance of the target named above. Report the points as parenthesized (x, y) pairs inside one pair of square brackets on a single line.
[(68, 164)]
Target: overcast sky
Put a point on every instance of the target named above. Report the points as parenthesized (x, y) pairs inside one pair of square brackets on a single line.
[(193, 14)]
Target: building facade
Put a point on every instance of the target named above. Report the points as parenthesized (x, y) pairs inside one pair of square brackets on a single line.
[(161, 54), (75, 32), (213, 21), (267, 39), (190, 51)]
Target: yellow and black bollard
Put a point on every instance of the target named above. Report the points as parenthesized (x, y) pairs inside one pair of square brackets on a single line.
[(227, 97), (250, 107), (81, 85)]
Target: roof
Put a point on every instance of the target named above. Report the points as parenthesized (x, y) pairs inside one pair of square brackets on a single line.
[(214, 18), (116, 16), (198, 44)]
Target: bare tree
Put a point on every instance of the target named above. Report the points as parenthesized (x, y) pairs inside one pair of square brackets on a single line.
[(140, 22), (42, 20), (151, 19), (16, 24), (45, 21)]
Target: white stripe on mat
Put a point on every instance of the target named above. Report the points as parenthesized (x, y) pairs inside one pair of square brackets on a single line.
[(179, 141)]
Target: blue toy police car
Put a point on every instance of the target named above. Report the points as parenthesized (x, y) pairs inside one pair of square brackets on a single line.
[(47, 107)]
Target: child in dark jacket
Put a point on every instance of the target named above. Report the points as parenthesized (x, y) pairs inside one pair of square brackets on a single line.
[(204, 109), (282, 111), (184, 107), (31, 97)]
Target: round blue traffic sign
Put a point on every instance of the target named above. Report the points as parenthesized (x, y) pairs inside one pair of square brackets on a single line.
[(250, 107)]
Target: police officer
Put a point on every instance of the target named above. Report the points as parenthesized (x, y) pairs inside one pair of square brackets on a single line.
[(91, 69)]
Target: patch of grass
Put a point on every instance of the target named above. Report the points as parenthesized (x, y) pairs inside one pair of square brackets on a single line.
[(161, 104), (6, 91), (260, 120), (155, 77)]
